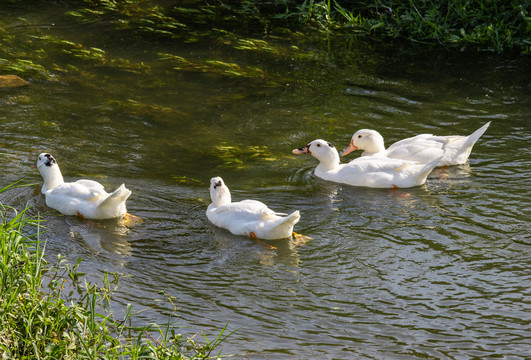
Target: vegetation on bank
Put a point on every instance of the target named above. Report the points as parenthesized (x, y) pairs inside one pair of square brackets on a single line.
[(500, 26), (41, 319), (31, 50), (482, 24)]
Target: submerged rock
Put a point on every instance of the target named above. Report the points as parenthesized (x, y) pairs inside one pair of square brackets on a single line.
[(10, 81)]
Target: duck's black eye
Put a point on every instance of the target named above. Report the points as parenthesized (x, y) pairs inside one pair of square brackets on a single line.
[(318, 145), (330, 145), (359, 136)]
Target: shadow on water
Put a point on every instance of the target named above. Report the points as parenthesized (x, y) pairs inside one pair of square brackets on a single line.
[(437, 271)]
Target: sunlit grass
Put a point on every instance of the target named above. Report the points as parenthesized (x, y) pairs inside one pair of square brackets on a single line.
[(47, 311), (481, 24)]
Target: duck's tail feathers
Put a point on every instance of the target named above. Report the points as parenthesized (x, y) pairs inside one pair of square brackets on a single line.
[(287, 223), (292, 218), (117, 197), (458, 151), (472, 138)]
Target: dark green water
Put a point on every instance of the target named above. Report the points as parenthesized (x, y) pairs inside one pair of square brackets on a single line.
[(439, 271)]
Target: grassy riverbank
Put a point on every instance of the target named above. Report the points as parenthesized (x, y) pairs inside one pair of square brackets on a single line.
[(482, 24), (41, 52), (49, 312), (499, 26)]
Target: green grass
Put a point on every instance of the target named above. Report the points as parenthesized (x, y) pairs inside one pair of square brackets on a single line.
[(38, 322), (492, 25), (500, 26)]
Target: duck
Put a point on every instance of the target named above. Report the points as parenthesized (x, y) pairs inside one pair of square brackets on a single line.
[(366, 171), (247, 217), (453, 150), (85, 198)]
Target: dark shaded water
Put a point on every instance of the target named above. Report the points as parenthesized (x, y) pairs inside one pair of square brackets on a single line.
[(438, 271)]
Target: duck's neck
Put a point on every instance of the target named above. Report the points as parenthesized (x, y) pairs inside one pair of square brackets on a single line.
[(328, 162), (370, 153), (220, 196), (375, 146), (52, 178)]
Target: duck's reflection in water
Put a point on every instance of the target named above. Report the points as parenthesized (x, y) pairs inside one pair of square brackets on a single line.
[(240, 249), (102, 240)]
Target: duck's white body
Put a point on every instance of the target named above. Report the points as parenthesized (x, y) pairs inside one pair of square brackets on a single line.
[(368, 171), (85, 198), (247, 217), (453, 150)]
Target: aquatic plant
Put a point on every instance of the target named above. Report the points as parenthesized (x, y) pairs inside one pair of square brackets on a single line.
[(25, 67), (211, 67), (47, 312), (239, 157)]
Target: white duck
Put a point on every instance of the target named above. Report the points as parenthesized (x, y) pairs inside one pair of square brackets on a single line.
[(248, 217), (453, 150), (369, 171), (85, 198)]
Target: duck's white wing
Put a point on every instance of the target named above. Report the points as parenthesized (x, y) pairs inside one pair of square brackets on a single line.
[(251, 216), (258, 206), (369, 164), (246, 209), (371, 171), (421, 148), (78, 190), (92, 186), (426, 139), (377, 172), (239, 218), (75, 198)]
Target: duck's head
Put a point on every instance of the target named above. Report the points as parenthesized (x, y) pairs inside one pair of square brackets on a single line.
[(219, 192), (49, 170), (320, 149), (365, 139), (45, 161)]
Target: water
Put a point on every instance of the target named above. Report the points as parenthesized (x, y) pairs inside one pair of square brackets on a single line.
[(439, 271)]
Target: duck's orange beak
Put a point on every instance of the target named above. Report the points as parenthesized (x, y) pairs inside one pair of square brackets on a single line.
[(350, 148), (302, 150)]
